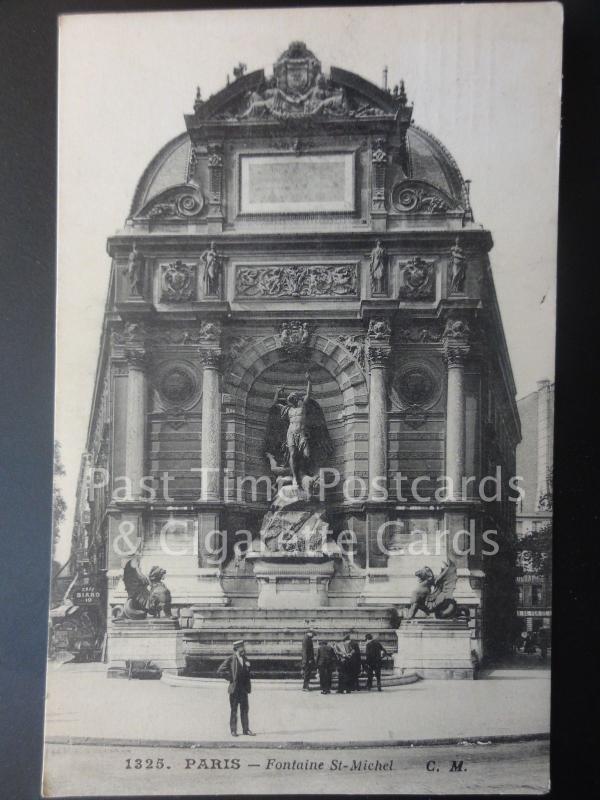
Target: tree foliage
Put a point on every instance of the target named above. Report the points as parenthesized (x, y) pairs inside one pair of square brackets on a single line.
[(59, 505)]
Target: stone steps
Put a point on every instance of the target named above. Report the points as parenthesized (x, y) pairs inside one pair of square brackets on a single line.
[(274, 637)]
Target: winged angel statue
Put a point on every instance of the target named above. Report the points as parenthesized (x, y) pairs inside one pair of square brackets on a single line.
[(146, 594), (297, 441), (435, 595)]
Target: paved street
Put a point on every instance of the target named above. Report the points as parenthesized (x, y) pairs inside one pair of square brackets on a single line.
[(520, 768), (82, 702)]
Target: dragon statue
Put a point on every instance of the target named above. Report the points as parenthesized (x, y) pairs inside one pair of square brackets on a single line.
[(145, 594), (435, 595)]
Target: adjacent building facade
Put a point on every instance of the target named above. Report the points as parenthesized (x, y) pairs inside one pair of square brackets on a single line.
[(535, 458), (302, 224)]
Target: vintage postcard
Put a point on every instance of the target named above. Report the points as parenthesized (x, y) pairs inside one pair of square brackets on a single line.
[(304, 404)]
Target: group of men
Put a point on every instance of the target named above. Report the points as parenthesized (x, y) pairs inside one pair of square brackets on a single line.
[(346, 658)]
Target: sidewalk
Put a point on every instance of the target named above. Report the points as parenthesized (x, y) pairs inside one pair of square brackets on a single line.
[(82, 704)]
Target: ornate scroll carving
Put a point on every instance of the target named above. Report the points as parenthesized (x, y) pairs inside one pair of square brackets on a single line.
[(297, 281), (419, 333), (456, 342), (355, 345), (417, 279), (209, 332), (420, 197), (178, 282), (180, 202)]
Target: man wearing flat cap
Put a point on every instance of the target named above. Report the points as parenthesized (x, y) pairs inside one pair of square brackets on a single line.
[(236, 670)]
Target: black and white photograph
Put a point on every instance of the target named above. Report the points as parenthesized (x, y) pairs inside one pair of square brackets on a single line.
[(304, 404)]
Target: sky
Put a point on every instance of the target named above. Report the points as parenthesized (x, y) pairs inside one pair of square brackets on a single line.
[(484, 79)]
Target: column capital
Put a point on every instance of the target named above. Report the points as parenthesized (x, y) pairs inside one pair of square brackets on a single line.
[(136, 357), (456, 342), (378, 342), (378, 355), (211, 358)]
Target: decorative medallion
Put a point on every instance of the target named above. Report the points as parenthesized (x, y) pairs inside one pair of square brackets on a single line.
[(177, 384), (417, 279), (178, 282), (415, 388)]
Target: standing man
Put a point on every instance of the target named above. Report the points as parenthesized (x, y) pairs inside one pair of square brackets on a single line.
[(236, 670), (325, 665), (308, 660), (343, 655), (374, 651), (355, 666)]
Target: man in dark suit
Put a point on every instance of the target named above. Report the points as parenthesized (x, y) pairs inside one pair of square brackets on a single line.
[(374, 652), (355, 664), (343, 655), (325, 664), (236, 670), (308, 660)]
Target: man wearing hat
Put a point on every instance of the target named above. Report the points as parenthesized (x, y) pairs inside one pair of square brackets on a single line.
[(343, 655), (308, 659), (374, 651), (325, 665), (236, 670)]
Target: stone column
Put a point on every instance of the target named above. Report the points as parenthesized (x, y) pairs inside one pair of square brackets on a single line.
[(211, 425), (456, 349), (136, 419), (378, 352)]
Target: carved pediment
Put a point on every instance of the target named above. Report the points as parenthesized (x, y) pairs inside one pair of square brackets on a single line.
[(298, 88)]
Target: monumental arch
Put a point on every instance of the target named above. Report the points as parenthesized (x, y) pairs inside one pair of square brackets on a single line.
[(301, 224)]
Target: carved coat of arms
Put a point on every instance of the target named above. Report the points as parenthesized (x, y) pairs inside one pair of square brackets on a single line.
[(418, 277), (178, 282)]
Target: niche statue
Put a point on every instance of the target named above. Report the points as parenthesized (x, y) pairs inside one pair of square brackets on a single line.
[(297, 441)]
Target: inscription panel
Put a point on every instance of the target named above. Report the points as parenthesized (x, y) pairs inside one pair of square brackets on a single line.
[(297, 184)]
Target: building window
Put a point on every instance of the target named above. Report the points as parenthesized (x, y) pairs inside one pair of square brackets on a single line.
[(536, 595)]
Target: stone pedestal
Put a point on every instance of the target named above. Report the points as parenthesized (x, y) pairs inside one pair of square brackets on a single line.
[(287, 581), (436, 649), (157, 640)]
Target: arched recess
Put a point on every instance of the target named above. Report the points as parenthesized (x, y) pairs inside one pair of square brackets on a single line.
[(339, 386)]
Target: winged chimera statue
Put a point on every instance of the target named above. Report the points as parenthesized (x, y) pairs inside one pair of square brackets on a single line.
[(297, 441), (435, 595), (145, 594)]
